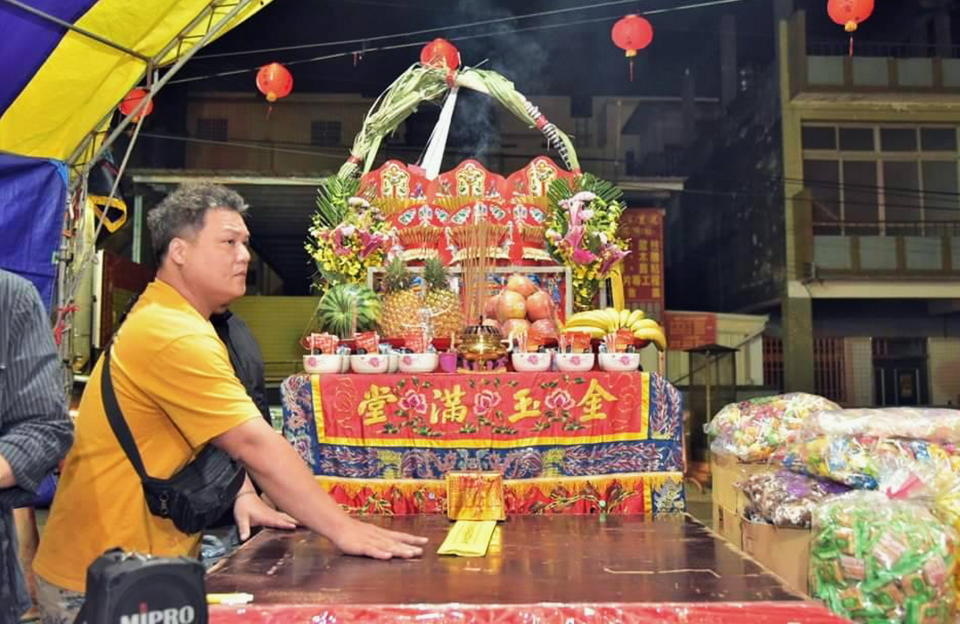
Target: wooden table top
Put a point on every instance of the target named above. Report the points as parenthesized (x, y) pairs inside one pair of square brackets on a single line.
[(541, 559)]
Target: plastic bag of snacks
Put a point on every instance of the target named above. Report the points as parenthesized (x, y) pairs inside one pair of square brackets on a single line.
[(753, 429), (873, 559), (859, 461), (921, 423), (785, 498)]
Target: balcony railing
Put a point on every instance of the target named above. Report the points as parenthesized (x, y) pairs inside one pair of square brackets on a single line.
[(904, 249), (887, 228), (886, 49)]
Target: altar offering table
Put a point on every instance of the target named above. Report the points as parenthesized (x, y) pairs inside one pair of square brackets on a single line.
[(564, 442), (565, 568)]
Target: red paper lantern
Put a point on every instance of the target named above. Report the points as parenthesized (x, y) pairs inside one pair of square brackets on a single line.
[(849, 13), (274, 81), (632, 33), (130, 102), (440, 54)]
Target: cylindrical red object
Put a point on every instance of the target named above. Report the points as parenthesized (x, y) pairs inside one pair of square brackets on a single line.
[(129, 103), (441, 54), (274, 81), (632, 33), (849, 13)]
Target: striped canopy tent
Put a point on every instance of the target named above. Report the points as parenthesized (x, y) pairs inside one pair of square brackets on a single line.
[(68, 63), (65, 65)]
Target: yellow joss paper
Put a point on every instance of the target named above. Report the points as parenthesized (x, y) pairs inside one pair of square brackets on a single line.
[(475, 496), (468, 538)]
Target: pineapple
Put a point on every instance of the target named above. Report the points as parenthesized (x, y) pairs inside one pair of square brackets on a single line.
[(400, 302), (442, 303)]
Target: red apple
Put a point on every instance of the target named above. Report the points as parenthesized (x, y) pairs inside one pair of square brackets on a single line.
[(539, 306), (511, 305), (490, 307), (515, 326), (521, 284)]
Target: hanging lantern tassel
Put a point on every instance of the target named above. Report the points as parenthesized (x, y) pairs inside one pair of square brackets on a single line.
[(632, 33)]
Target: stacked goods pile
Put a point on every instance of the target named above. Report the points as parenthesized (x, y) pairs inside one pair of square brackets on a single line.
[(878, 560), (752, 430), (860, 461), (522, 307), (784, 498)]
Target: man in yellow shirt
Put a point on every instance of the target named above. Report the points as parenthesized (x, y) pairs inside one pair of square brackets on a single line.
[(178, 392)]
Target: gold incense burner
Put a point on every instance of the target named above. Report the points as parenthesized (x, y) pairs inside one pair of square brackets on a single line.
[(481, 343)]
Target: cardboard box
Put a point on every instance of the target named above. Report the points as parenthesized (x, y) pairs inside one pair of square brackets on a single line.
[(726, 524), (785, 552), (728, 500)]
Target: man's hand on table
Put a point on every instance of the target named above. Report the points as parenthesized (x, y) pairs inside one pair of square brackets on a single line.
[(250, 511), (368, 540)]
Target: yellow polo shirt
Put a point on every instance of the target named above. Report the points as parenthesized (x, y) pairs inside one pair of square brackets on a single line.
[(177, 390)]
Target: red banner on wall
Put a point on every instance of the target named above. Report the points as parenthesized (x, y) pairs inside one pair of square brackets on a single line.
[(643, 267), (688, 330)]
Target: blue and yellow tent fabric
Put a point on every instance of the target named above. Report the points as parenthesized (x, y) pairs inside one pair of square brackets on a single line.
[(56, 85)]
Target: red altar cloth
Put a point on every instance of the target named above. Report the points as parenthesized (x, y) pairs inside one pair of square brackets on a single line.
[(482, 410), (564, 443), (666, 613)]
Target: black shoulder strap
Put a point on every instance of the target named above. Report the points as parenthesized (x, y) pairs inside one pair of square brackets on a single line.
[(115, 416)]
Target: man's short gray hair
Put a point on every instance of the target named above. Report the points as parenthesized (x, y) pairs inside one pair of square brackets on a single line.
[(183, 211)]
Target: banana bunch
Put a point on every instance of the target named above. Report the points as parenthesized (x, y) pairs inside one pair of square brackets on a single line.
[(599, 323)]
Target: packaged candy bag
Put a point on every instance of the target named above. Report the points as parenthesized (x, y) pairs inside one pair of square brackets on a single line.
[(785, 498), (874, 559), (919, 423), (753, 429), (859, 461)]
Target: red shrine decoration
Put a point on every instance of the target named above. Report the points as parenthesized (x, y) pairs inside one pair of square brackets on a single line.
[(274, 81), (849, 13), (130, 102), (632, 33), (441, 54)]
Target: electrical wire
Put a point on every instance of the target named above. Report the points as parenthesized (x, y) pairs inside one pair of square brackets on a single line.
[(366, 50), (473, 24), (339, 154)]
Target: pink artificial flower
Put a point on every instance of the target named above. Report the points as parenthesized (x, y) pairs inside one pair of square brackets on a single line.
[(574, 236), (369, 243), (611, 254), (583, 256)]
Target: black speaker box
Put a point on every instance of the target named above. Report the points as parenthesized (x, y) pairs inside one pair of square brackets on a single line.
[(129, 588)]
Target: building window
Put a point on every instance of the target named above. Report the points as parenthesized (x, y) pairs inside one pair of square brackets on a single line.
[(212, 129), (882, 180), (325, 133)]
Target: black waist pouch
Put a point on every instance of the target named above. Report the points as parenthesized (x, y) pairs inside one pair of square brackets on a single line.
[(196, 496)]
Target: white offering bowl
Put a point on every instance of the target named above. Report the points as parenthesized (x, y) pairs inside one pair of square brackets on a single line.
[(418, 362), (530, 362), (322, 363), (619, 362), (574, 362), (370, 363)]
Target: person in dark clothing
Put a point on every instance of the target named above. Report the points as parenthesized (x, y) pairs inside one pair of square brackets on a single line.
[(35, 431), (245, 356)]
